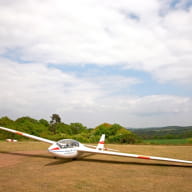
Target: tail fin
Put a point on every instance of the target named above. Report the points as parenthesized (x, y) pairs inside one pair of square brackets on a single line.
[(100, 145)]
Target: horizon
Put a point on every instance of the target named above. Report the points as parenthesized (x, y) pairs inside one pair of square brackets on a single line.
[(154, 127)]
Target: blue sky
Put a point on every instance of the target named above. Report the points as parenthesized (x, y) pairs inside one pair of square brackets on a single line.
[(147, 85), (95, 61)]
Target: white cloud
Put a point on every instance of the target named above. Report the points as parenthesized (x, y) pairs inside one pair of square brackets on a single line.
[(36, 88), (100, 32), (151, 37), (39, 91), (145, 111)]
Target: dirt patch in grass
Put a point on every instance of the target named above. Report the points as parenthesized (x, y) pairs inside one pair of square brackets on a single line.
[(8, 160), (13, 158)]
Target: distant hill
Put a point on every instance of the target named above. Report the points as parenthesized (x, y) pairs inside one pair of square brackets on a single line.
[(169, 132)]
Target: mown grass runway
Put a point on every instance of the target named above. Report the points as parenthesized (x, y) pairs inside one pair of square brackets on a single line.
[(27, 166)]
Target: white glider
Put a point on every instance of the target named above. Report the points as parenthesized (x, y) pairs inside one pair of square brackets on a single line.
[(69, 148)]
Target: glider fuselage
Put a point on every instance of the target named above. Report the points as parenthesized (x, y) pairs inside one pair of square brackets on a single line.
[(65, 148)]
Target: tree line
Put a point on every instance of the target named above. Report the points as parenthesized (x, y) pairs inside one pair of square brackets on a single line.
[(55, 129), (169, 132)]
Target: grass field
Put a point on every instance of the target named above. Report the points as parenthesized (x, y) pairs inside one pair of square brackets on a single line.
[(27, 166)]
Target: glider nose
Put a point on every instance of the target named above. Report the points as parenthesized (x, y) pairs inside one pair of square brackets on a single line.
[(54, 148)]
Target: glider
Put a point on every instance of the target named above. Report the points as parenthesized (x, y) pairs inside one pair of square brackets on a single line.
[(71, 149)]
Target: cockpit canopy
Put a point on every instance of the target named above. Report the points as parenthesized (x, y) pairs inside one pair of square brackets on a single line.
[(67, 143)]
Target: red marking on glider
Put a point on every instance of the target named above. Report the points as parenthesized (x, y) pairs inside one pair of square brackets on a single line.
[(19, 133), (143, 157), (56, 148), (101, 142)]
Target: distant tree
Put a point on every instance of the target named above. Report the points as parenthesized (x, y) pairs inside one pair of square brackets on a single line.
[(55, 119), (63, 128), (115, 128), (31, 126), (77, 128), (103, 129), (6, 122), (44, 122), (115, 133), (123, 136)]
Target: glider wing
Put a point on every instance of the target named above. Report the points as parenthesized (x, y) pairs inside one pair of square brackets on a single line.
[(27, 135), (88, 150)]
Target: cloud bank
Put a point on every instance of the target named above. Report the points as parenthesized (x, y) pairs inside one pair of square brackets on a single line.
[(154, 38)]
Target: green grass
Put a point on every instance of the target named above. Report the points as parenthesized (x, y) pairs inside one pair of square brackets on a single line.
[(168, 141)]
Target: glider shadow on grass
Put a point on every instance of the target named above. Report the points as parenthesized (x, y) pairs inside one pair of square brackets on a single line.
[(86, 158), (23, 154)]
